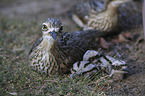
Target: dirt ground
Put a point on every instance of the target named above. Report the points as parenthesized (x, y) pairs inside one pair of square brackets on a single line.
[(25, 18)]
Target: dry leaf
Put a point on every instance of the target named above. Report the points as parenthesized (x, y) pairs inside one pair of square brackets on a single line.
[(122, 38), (139, 39), (104, 43), (114, 41), (128, 35)]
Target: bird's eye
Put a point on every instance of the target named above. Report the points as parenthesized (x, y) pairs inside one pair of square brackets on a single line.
[(44, 27)]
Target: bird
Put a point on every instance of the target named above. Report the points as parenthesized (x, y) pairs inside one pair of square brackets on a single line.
[(98, 15), (56, 51), (94, 62)]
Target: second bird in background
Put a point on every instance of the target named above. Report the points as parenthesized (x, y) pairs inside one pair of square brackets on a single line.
[(101, 15)]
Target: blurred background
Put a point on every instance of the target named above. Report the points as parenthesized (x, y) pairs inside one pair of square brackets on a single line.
[(35, 9)]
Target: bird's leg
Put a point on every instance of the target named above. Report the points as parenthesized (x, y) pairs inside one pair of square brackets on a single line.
[(77, 21)]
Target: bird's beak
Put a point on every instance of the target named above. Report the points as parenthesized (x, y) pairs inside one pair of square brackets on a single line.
[(125, 68), (53, 34)]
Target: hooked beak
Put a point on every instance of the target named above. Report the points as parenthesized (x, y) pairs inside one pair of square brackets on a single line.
[(53, 34)]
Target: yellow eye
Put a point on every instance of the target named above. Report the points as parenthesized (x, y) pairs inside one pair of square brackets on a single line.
[(44, 27)]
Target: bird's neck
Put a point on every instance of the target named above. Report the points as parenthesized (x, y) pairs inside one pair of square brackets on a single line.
[(112, 10), (50, 46), (109, 12), (105, 21), (47, 43)]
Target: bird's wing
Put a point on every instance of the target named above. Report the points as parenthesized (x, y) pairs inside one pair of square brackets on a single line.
[(75, 44), (35, 45), (73, 47)]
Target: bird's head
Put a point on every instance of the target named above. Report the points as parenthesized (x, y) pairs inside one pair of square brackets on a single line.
[(52, 28), (117, 3)]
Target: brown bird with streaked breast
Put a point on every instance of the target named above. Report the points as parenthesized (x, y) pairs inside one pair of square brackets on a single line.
[(101, 16), (57, 51)]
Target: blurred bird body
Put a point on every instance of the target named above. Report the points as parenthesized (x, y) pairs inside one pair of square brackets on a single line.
[(106, 18)]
